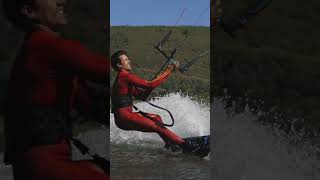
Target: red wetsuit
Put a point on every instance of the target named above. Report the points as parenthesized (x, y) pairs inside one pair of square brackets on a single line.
[(45, 69), (127, 85), (49, 72)]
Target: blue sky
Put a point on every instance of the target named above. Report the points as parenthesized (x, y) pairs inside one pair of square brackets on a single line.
[(159, 12)]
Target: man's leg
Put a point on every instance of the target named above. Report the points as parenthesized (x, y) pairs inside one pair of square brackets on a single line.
[(129, 120), (159, 122), (141, 123)]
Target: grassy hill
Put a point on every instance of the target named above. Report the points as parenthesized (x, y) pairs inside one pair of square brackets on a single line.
[(273, 64), (146, 61)]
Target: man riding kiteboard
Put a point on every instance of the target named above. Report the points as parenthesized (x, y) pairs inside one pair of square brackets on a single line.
[(127, 86)]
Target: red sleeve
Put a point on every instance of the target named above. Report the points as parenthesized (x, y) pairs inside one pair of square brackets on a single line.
[(138, 82), (77, 58)]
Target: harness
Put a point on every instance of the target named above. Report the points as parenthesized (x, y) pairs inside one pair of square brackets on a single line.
[(121, 101), (126, 101), (145, 114)]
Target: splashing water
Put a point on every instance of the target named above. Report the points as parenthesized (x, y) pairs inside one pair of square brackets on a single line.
[(244, 149), (139, 155), (5, 171), (191, 119)]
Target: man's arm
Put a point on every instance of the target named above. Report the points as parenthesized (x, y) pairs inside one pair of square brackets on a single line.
[(76, 58), (138, 82)]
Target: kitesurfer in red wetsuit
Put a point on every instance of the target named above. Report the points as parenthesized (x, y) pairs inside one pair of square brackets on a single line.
[(125, 87), (48, 78)]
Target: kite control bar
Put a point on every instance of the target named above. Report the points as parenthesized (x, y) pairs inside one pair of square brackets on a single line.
[(170, 59)]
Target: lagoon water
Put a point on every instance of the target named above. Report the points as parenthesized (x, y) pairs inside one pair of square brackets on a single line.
[(242, 148)]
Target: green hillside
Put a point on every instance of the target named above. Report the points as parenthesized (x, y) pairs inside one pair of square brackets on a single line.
[(273, 64), (146, 61)]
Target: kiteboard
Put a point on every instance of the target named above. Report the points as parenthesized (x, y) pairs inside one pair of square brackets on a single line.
[(202, 144)]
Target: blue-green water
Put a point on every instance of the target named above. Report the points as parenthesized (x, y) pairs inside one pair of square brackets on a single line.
[(136, 162)]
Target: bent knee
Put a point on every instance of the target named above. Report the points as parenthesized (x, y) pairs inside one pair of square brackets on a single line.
[(156, 117)]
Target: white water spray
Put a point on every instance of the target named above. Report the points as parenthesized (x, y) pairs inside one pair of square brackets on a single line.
[(191, 119), (244, 149)]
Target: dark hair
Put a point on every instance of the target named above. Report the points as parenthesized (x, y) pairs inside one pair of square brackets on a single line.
[(12, 10), (115, 59)]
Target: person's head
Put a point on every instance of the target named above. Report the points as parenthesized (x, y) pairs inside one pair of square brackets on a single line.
[(26, 14), (120, 60)]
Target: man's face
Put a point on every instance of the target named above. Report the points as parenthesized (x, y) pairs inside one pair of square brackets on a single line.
[(125, 62), (49, 12)]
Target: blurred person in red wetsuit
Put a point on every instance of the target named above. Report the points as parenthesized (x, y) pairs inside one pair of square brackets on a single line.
[(47, 80), (127, 86)]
